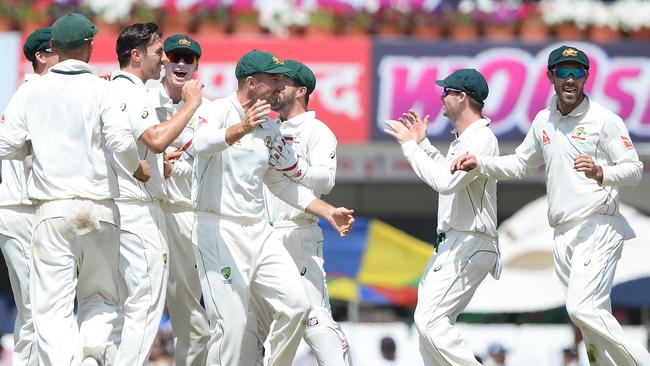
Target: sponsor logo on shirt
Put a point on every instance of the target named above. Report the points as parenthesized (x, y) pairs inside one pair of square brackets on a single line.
[(545, 138), (303, 270), (578, 133), (627, 143), (225, 272), (332, 154), (311, 322)]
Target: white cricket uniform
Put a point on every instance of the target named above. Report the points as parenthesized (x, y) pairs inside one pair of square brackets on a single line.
[(189, 321), (239, 256), (143, 249), (589, 230), (72, 119), (467, 242), (315, 143), (16, 222)]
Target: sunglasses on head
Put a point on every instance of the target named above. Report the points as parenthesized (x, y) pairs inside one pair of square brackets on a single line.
[(446, 91), (187, 58), (565, 72)]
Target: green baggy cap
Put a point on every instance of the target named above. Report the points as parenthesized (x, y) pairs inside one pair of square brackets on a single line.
[(37, 41), (567, 54), (468, 80), (301, 74), (182, 42), (259, 61), (72, 31)]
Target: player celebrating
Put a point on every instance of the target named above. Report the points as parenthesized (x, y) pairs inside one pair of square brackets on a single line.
[(588, 155), (311, 148), (143, 247), (189, 321), (238, 254), (466, 245), (76, 235), (17, 211)]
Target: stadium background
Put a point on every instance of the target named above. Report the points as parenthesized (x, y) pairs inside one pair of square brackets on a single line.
[(374, 60)]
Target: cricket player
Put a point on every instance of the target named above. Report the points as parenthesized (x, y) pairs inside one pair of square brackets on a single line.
[(240, 258), (72, 118), (17, 212), (143, 251), (188, 318), (587, 155), (466, 245), (312, 146)]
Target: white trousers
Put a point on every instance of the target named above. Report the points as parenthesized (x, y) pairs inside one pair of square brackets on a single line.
[(16, 223), (240, 261), (189, 321), (75, 253), (143, 265), (323, 335), (449, 281), (586, 255)]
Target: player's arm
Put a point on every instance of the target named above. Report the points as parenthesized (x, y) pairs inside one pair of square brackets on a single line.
[(117, 132), (159, 136), (319, 174), (13, 129), (628, 170)]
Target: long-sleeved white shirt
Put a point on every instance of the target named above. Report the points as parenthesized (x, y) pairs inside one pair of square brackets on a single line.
[(15, 173), (178, 187), (314, 143), (72, 118), (229, 180), (467, 202), (555, 141), (140, 116)]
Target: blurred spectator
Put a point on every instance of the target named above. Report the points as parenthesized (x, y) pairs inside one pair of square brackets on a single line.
[(160, 356), (497, 354), (569, 357), (388, 351)]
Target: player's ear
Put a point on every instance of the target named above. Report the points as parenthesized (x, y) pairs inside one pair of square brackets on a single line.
[(302, 91), (136, 55), (549, 75)]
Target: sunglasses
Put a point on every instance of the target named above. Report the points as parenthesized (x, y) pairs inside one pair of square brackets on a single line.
[(446, 91), (565, 72), (187, 58)]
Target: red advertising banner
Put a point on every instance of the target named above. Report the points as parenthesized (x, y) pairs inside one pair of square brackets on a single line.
[(342, 95)]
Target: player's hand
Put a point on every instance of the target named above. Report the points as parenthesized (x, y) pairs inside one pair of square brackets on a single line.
[(191, 92), (105, 74), (341, 219), (584, 163), (465, 162), (143, 173), (285, 159), (415, 124), (255, 115), (399, 131)]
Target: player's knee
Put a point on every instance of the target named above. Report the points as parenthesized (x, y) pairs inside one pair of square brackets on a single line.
[(428, 323)]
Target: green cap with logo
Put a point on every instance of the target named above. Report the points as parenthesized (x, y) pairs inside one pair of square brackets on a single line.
[(37, 41), (179, 42), (567, 54), (301, 74), (468, 80), (259, 61), (72, 31)]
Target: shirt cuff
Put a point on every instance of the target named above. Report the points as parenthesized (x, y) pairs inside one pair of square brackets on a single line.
[(409, 147), (425, 144)]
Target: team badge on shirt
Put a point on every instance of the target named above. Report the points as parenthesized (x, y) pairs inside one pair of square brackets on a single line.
[(578, 133), (225, 272), (627, 143), (545, 138)]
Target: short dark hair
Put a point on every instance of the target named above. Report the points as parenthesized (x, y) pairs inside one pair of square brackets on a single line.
[(475, 105), (135, 36)]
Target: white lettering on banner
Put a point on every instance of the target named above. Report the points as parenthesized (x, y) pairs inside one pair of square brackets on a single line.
[(519, 87), (338, 87)]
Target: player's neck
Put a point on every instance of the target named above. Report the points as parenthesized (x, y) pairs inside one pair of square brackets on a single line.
[(295, 110), (174, 93), (466, 118)]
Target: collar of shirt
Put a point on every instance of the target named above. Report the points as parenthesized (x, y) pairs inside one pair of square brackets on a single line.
[(134, 79), (72, 65), (581, 109), (238, 107), (165, 100), (29, 77), (471, 129), (297, 120)]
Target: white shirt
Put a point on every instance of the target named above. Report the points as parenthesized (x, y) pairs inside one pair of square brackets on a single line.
[(141, 116), (178, 187), (555, 141), (15, 173), (467, 202), (228, 180), (315, 143), (71, 117)]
